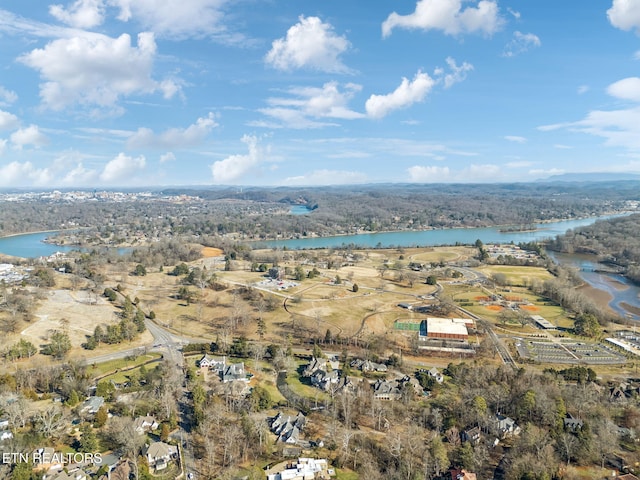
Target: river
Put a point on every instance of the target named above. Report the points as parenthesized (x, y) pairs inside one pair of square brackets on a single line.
[(429, 238), (32, 245)]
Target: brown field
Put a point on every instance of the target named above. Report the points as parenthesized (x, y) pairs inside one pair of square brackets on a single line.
[(495, 308), (208, 252)]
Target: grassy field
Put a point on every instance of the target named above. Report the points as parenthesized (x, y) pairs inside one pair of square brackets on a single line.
[(100, 369), (517, 275)]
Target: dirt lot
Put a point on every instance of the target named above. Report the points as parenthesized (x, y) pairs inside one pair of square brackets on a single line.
[(80, 310)]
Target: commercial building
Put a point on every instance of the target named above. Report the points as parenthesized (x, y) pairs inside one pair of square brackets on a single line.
[(444, 329)]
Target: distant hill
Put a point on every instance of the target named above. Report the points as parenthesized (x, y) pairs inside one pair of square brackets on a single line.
[(591, 177)]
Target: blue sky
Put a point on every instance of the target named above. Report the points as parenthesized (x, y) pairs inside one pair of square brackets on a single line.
[(105, 93)]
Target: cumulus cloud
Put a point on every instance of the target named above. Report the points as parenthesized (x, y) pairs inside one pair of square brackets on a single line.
[(448, 16), (428, 174), (515, 138), (327, 177), (94, 70), (626, 89), (174, 137), (8, 120), (178, 19), (625, 15), (17, 173), (79, 175), (167, 157), (408, 93), (521, 43), (30, 135), (312, 44), (582, 89), (80, 14), (307, 106), (235, 167), (7, 97), (122, 168), (3, 146)]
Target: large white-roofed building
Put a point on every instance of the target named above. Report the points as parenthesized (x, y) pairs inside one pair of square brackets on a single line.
[(444, 329)]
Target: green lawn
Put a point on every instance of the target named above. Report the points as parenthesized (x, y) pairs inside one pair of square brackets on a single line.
[(120, 363)]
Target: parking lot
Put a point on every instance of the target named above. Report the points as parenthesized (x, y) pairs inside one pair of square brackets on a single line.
[(570, 352)]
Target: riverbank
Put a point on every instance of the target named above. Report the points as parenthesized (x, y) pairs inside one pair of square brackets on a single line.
[(601, 298)]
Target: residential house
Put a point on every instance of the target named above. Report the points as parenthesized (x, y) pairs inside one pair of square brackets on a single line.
[(313, 366), (92, 404), (461, 474), (160, 454), (233, 372), (324, 380), (367, 366), (504, 426), (472, 435), (145, 424), (436, 375), (62, 475), (387, 390), (572, 424), (211, 363), (287, 428), (303, 469)]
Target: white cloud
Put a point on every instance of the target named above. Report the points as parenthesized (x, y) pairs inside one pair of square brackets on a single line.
[(515, 14), (518, 164), (80, 14), (626, 89), (312, 44), (429, 174), (79, 175), (582, 89), (174, 137), (122, 168), (235, 167), (3, 146), (521, 43), (561, 146), (327, 177), (94, 70), (408, 93), (179, 19), (448, 16), (308, 104), (16, 173), (167, 157), (30, 135), (515, 138), (8, 120), (546, 173), (470, 174), (625, 14), (457, 73), (7, 97), (637, 55), (620, 128)]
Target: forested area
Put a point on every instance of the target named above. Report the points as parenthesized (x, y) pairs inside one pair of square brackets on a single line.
[(615, 241), (261, 213)]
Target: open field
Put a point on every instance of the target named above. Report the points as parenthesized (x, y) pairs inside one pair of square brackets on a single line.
[(517, 275)]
